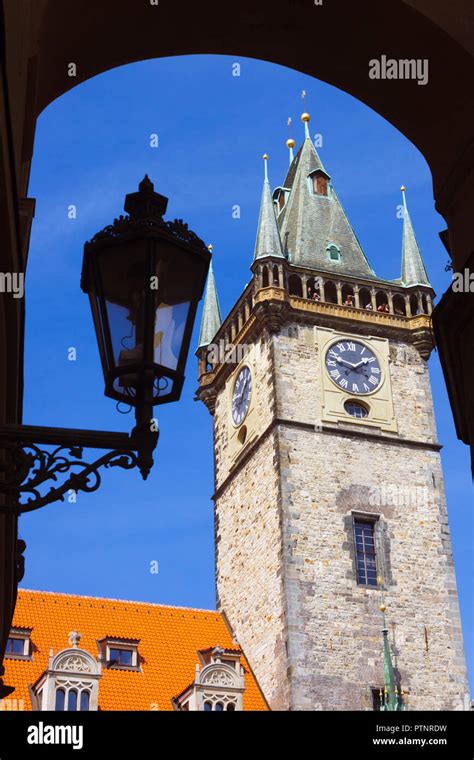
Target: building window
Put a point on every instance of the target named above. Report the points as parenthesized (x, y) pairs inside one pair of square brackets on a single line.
[(18, 644), (85, 700), (15, 646), (60, 700), (364, 534), (320, 183), (120, 653), (379, 698), (355, 409), (121, 657), (207, 707), (334, 254), (74, 699)]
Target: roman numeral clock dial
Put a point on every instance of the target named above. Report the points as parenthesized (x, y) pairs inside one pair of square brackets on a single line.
[(241, 396), (353, 367)]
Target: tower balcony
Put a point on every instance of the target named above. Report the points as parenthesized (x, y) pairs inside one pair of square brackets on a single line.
[(280, 292)]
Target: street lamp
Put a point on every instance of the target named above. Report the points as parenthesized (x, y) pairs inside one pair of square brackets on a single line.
[(144, 277)]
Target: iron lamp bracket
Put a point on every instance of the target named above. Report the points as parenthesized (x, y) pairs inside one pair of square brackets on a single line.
[(25, 466)]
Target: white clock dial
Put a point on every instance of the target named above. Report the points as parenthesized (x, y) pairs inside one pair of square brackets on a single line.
[(241, 396)]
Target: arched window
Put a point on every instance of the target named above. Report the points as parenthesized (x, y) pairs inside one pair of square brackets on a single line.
[(382, 301), (231, 707), (334, 253), (365, 298), (60, 700), (313, 288), (424, 303), (414, 305), (207, 707), (348, 298), (85, 700), (72, 700), (399, 306), (330, 292), (355, 409), (295, 288), (264, 277), (219, 707), (276, 276)]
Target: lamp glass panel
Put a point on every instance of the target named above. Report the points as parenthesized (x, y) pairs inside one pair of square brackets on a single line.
[(170, 321), (123, 271)]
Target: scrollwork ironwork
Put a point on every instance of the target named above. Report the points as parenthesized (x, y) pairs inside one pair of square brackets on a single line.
[(27, 467)]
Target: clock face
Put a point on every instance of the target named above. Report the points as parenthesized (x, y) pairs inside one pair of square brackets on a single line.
[(353, 367), (241, 395)]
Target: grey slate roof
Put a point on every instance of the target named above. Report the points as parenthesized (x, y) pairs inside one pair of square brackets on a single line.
[(211, 314), (268, 242), (413, 268), (309, 223)]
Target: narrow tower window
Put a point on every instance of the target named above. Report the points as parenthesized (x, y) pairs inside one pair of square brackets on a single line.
[(334, 253), (320, 183), (364, 534)]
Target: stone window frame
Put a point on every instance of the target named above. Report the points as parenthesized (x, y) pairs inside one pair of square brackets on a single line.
[(78, 685), (382, 546), (358, 519)]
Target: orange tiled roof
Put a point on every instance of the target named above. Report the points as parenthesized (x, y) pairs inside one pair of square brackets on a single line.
[(170, 638)]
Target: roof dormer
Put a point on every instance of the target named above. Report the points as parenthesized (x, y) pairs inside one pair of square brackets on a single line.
[(319, 183), (218, 687)]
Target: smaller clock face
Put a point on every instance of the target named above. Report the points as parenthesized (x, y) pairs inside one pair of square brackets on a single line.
[(241, 395), (353, 367)]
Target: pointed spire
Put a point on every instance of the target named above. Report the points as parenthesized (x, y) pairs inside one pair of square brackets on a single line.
[(268, 242), (211, 314), (311, 222), (391, 699), (413, 268)]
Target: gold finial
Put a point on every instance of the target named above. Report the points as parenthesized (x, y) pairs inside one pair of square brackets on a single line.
[(403, 188), (265, 157), (290, 143), (382, 608), (210, 247), (289, 120), (380, 580)]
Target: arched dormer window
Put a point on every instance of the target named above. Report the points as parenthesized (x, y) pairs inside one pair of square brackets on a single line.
[(218, 687), (71, 681), (333, 252), (319, 182)]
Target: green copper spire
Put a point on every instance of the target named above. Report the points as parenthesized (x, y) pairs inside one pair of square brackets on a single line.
[(314, 229), (211, 314), (413, 268), (391, 698), (268, 241)]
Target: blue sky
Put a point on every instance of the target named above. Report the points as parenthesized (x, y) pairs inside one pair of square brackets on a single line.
[(92, 147)]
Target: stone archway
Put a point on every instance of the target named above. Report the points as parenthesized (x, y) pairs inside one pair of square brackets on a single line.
[(42, 37)]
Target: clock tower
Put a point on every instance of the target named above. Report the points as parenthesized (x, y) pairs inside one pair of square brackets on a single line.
[(328, 482)]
